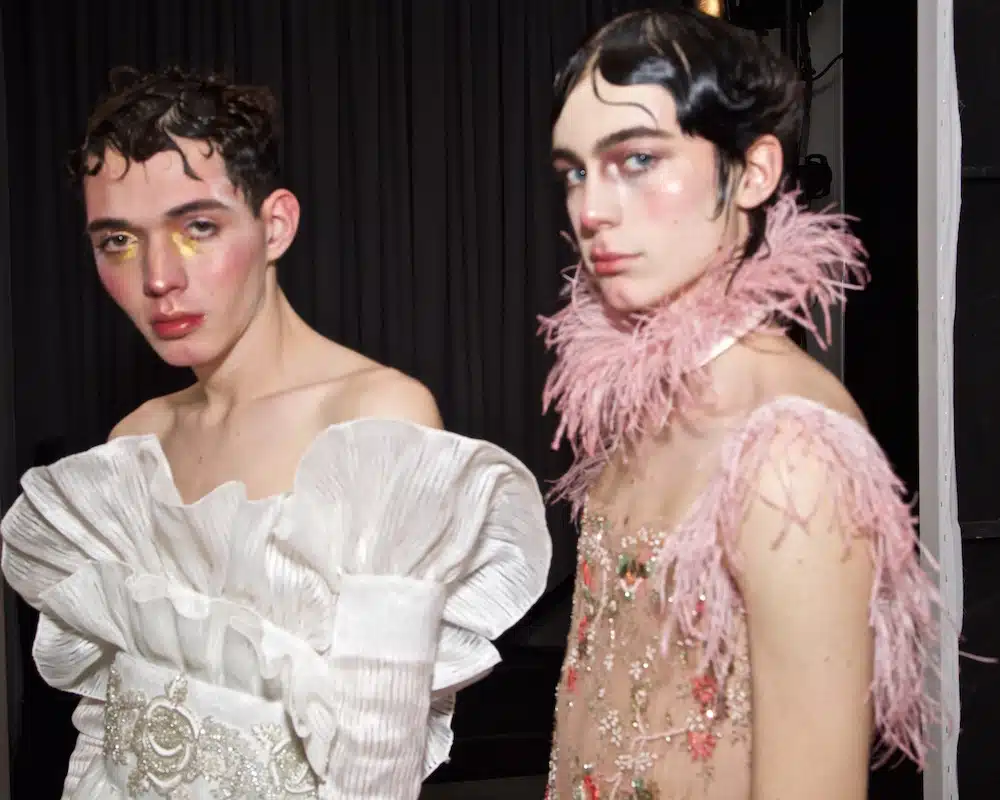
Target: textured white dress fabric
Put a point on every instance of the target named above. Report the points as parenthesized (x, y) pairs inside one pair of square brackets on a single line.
[(308, 644)]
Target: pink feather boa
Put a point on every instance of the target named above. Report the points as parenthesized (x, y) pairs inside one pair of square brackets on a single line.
[(619, 378)]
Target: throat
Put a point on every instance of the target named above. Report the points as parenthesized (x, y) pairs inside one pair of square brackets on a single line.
[(262, 360)]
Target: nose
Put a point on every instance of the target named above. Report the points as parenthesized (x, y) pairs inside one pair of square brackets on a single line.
[(600, 206), (164, 270)]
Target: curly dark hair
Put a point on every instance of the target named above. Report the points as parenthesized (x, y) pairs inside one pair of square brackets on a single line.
[(143, 114), (728, 85)]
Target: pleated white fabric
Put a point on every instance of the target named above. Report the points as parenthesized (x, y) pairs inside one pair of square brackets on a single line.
[(309, 644)]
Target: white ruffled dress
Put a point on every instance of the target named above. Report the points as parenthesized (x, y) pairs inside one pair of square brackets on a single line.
[(308, 644)]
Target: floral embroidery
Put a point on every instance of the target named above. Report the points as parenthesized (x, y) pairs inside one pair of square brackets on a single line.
[(171, 748), (615, 647)]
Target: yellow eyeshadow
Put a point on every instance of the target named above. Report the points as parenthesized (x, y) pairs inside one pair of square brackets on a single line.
[(185, 246), (130, 252)]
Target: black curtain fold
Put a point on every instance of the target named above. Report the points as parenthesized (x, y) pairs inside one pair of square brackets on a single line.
[(12, 678), (416, 135)]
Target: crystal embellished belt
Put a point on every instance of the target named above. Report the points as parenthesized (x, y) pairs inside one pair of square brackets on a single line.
[(171, 736)]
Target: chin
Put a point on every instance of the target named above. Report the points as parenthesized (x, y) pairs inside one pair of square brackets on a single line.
[(630, 297), (181, 353)]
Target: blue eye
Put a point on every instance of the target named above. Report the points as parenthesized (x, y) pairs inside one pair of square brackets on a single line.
[(639, 162), (574, 177)]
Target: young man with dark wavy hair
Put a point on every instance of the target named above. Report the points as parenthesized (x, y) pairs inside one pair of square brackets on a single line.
[(750, 608), (273, 583)]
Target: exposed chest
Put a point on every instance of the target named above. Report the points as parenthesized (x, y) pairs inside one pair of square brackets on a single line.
[(259, 451), (633, 720), (657, 485)]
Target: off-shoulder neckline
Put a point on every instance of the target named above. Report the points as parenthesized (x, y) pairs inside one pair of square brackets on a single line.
[(155, 445)]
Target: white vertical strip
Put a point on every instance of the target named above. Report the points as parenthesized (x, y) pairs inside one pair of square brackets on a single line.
[(939, 168)]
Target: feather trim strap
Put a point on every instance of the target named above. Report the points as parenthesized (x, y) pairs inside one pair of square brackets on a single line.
[(696, 562), (618, 378)]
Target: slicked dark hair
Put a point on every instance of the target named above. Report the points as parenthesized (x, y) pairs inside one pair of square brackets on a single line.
[(143, 115), (728, 86)]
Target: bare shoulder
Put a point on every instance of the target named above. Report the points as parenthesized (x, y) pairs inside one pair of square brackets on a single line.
[(155, 416), (365, 388), (798, 475), (800, 375), (387, 393), (794, 525)]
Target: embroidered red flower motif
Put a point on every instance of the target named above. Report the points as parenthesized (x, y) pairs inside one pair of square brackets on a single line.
[(590, 786), (588, 578), (703, 689), (581, 630), (701, 745), (571, 679)]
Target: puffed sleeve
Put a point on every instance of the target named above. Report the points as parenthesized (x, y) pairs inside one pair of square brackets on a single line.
[(448, 549)]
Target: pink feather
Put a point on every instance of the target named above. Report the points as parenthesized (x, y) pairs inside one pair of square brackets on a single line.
[(619, 378), (699, 557)]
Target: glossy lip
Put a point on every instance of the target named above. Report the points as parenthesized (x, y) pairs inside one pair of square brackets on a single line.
[(175, 326), (607, 263)]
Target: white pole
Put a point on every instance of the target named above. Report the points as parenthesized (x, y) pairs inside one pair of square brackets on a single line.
[(939, 170)]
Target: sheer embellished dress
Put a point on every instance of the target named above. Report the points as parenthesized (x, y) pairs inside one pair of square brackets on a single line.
[(655, 699)]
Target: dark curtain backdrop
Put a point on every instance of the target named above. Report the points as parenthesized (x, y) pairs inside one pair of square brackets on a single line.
[(880, 179), (416, 137), (8, 465)]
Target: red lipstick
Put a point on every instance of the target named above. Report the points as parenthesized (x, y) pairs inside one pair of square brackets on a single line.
[(176, 326)]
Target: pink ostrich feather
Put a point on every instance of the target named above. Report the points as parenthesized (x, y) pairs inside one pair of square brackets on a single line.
[(618, 378), (697, 562)]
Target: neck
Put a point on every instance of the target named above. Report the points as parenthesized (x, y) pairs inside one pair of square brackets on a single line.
[(617, 381), (257, 363), (735, 375)]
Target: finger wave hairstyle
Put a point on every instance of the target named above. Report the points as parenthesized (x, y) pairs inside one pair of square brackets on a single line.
[(728, 86)]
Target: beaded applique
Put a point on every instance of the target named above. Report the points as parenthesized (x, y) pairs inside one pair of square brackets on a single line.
[(615, 638), (170, 748)]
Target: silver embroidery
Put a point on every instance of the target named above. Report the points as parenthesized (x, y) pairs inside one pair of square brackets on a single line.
[(172, 749)]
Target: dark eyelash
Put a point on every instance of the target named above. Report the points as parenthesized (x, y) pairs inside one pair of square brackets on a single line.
[(103, 243)]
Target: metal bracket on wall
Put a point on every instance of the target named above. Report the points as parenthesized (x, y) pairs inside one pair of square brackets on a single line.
[(983, 529), (987, 172)]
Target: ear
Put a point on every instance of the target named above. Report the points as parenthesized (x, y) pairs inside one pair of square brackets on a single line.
[(280, 213), (765, 164)]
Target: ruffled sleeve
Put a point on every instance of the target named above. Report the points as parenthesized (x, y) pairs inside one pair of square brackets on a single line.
[(84, 509), (870, 502), (363, 600), (449, 550)]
